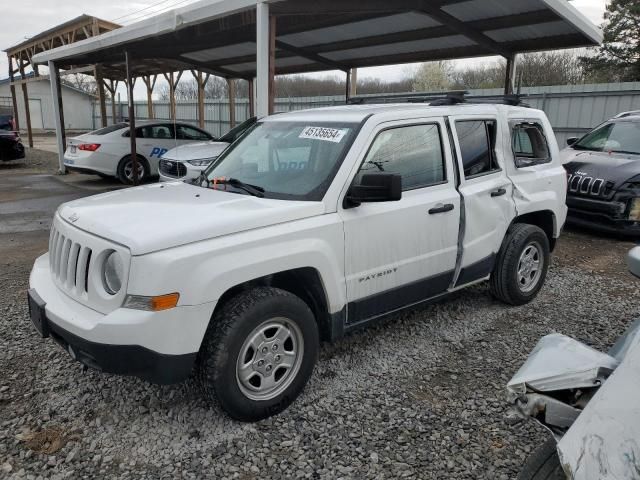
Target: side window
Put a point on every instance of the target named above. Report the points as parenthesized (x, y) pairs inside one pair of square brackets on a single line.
[(477, 140), (529, 144), (189, 133), (414, 152), (159, 132)]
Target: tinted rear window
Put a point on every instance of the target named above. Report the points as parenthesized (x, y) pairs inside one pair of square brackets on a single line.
[(109, 129)]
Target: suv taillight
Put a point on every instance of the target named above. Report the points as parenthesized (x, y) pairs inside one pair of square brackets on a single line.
[(89, 147)]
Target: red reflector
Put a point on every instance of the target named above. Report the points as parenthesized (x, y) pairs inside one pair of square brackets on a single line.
[(89, 147)]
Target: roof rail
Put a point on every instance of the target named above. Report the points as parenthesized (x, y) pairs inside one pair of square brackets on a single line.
[(453, 97)]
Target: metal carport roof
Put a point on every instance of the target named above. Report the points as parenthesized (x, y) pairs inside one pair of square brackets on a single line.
[(262, 38), (220, 36)]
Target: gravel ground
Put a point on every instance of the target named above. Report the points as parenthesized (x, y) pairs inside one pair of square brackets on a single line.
[(421, 395), (36, 160)]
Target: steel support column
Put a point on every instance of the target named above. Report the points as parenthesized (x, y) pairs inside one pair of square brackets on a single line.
[(231, 88), (58, 110), (132, 119), (14, 99), (25, 98), (510, 75), (262, 59)]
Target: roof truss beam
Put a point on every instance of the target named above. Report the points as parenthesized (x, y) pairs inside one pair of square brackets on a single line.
[(462, 28)]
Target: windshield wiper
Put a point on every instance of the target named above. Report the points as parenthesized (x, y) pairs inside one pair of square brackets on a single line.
[(254, 190)]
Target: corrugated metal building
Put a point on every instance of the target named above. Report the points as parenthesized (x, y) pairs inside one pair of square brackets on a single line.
[(78, 106)]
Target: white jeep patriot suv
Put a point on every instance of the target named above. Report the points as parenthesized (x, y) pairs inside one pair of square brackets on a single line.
[(313, 224)]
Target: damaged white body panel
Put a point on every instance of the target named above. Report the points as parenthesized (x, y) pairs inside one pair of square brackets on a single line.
[(604, 442), (589, 402)]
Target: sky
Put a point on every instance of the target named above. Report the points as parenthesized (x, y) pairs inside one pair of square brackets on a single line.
[(25, 18)]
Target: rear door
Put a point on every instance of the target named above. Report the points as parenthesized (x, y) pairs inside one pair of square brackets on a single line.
[(153, 141), (487, 194), (400, 253)]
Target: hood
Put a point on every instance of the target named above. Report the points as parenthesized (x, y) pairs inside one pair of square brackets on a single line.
[(196, 151), (155, 217), (615, 167)]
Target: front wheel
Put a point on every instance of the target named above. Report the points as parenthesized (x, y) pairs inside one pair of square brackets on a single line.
[(522, 264), (543, 464), (258, 353)]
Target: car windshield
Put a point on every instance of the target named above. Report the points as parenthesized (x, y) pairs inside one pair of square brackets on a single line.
[(236, 132), (617, 137), (289, 160)]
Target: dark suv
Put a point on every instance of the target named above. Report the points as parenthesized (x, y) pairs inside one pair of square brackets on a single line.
[(11, 147), (603, 169)]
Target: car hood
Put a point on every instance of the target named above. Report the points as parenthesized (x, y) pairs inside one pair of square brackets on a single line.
[(616, 167), (195, 151), (160, 216)]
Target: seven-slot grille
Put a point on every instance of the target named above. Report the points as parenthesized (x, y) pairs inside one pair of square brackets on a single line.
[(173, 169), (590, 186), (70, 262)]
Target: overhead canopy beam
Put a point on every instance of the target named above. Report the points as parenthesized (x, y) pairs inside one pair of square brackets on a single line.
[(463, 28), (301, 52)]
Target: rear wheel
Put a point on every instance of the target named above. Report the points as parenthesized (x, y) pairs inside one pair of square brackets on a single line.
[(125, 170), (522, 264), (258, 353), (543, 464)]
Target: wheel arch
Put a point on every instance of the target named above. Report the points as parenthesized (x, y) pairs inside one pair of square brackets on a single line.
[(305, 282), (545, 220)]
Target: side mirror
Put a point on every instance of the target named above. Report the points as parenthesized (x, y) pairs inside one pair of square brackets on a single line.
[(571, 140), (633, 261), (375, 187)]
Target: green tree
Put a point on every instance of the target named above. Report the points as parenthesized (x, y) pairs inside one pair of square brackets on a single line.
[(619, 55)]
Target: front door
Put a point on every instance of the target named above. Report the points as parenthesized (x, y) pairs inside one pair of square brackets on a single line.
[(400, 253)]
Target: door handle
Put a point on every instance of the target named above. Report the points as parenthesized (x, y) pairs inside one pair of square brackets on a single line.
[(499, 192), (441, 209)]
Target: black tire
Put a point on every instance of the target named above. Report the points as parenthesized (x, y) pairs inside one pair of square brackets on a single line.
[(127, 162), (543, 464), (505, 284), (228, 333)]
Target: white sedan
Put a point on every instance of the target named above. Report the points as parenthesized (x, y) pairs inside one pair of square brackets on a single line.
[(107, 152), (188, 161)]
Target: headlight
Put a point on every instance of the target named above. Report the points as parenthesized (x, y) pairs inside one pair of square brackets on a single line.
[(634, 211), (112, 273), (201, 163)]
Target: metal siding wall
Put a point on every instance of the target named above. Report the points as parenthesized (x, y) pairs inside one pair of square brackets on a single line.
[(572, 109)]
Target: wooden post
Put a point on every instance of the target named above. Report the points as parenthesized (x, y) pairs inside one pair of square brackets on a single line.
[(272, 63), (202, 80), (172, 92), (231, 87), (132, 119), (97, 72), (150, 82), (56, 95), (25, 97), (347, 91), (112, 86), (14, 99), (252, 98)]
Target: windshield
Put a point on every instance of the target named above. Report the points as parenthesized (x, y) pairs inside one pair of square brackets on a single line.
[(620, 137), (289, 160)]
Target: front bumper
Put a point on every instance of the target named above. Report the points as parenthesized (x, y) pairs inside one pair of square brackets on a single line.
[(601, 215), (160, 347)]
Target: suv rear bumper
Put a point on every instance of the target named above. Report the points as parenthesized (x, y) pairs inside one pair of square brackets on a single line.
[(160, 347), (601, 215)]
